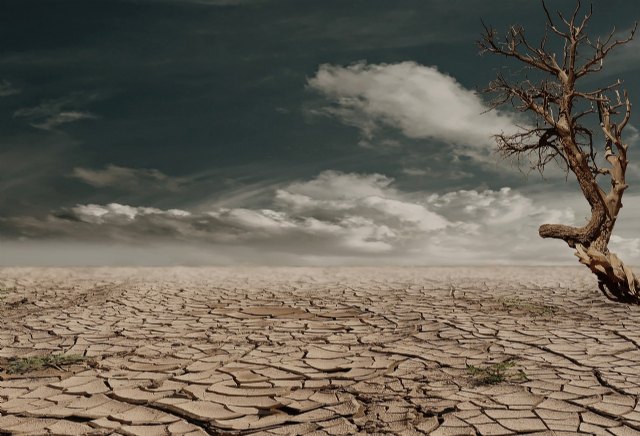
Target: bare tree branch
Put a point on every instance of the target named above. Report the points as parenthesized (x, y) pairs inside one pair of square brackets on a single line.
[(561, 135)]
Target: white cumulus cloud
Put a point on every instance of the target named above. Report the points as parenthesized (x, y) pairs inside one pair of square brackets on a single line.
[(334, 218), (420, 101)]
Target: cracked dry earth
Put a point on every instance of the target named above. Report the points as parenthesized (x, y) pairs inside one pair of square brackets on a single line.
[(278, 351)]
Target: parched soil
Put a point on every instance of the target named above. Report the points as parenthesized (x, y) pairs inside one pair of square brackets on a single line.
[(315, 351)]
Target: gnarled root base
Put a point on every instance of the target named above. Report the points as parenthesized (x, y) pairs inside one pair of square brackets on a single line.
[(616, 281)]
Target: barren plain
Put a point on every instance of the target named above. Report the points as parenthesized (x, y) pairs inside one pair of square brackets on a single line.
[(442, 351)]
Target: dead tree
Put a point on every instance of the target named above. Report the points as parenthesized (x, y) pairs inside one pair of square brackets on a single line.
[(569, 124)]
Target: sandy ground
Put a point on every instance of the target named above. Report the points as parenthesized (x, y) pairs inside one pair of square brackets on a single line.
[(317, 351)]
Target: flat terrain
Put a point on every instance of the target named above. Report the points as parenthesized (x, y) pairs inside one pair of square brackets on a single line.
[(315, 351)]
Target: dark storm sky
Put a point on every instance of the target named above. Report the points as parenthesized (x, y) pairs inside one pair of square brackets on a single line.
[(217, 107)]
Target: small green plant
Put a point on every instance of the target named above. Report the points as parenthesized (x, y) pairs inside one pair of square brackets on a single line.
[(36, 363), (535, 309), (495, 373)]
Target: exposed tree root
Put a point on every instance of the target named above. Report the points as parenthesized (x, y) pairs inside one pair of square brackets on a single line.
[(616, 280)]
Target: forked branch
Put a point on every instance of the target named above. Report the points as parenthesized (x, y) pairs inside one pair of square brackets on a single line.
[(561, 131)]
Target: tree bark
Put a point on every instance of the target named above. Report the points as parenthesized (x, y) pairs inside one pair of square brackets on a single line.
[(616, 280), (560, 134)]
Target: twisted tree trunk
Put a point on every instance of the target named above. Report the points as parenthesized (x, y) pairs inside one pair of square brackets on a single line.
[(616, 280), (559, 134)]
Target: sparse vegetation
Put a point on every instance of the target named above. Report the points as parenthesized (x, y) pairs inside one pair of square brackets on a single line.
[(28, 364), (496, 373), (532, 308)]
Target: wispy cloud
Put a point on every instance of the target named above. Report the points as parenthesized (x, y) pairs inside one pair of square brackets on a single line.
[(449, 173), (52, 113), (7, 88), (129, 179), (64, 117), (417, 172)]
